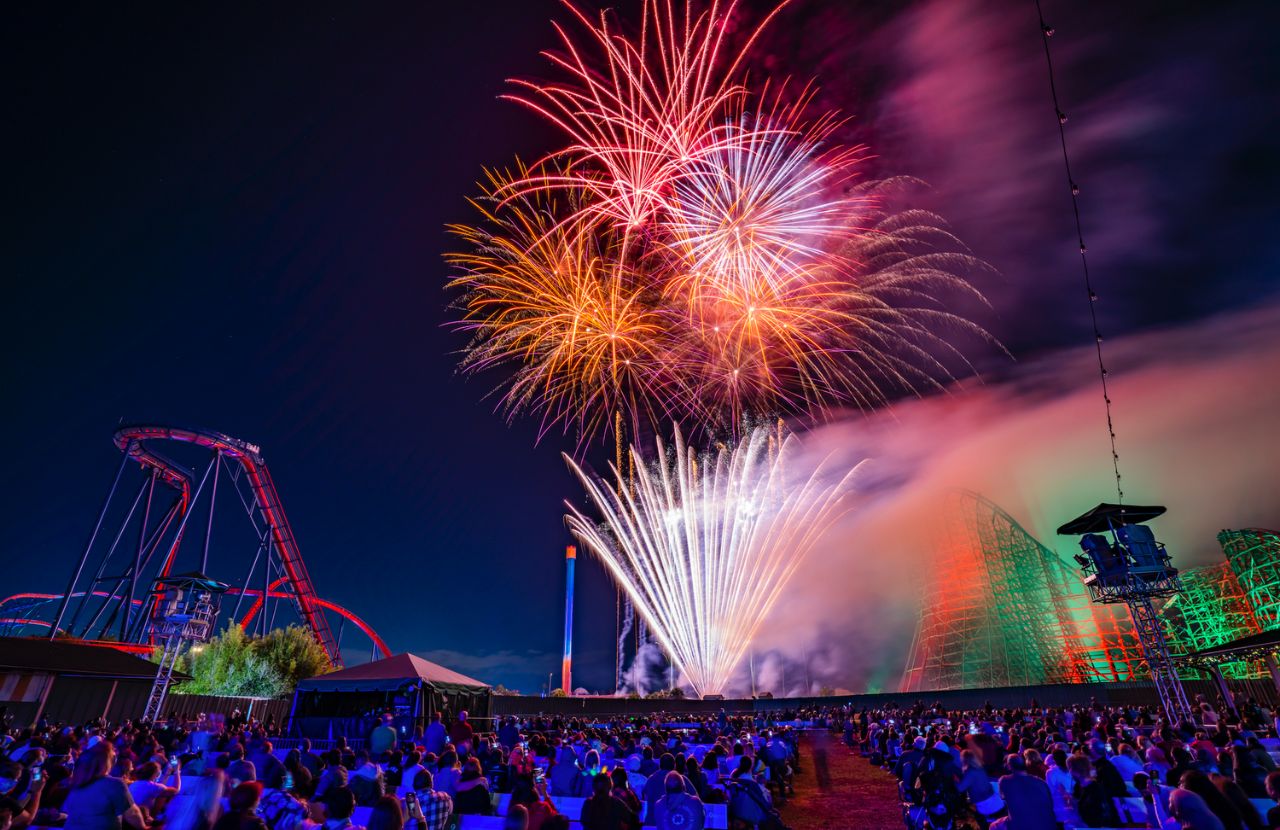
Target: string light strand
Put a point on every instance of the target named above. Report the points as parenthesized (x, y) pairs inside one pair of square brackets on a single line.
[(1046, 32)]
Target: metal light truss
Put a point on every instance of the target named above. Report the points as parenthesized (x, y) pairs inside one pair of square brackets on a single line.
[(1254, 557), (1212, 610), (1001, 609)]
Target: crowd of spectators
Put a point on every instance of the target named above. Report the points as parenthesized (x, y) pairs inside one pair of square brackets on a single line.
[(1041, 768), (238, 774)]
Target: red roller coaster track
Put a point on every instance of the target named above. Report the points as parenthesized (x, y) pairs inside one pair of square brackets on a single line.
[(247, 474), (379, 645), (132, 439)]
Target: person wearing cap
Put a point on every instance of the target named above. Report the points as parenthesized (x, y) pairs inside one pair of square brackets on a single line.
[(908, 762)]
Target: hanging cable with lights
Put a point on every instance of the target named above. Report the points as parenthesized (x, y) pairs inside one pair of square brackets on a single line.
[(1046, 32)]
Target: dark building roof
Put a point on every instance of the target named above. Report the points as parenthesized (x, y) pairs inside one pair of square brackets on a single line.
[(392, 673), (36, 654)]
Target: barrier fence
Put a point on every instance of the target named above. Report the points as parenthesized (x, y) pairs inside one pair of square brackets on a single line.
[(192, 706), (1129, 693)]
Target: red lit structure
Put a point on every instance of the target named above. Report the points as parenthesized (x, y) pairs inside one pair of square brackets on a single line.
[(118, 599), (1001, 609)]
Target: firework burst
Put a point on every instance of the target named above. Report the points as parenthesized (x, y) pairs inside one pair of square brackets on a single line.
[(699, 251), (638, 109), (704, 546), (549, 300), (765, 205)]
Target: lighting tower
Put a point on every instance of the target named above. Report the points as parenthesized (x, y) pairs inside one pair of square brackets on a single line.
[(186, 611), (1134, 569)]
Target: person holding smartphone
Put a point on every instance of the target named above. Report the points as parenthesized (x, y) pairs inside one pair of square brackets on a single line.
[(434, 807), (147, 791), (17, 814)]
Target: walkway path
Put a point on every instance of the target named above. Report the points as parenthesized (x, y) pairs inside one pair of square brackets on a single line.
[(838, 790)]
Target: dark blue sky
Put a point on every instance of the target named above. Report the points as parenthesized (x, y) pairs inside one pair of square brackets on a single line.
[(234, 219)]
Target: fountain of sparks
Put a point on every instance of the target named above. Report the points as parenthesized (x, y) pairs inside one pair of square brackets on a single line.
[(704, 545)]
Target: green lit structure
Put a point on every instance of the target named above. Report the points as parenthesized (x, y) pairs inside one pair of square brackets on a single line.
[(1254, 557), (1212, 610), (1001, 609)]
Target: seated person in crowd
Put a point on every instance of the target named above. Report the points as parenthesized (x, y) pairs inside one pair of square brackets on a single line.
[(677, 810)]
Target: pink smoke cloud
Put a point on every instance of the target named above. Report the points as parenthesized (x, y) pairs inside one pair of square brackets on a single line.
[(1197, 412)]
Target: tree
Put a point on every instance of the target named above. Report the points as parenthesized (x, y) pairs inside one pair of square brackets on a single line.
[(665, 694), (293, 653), (233, 664)]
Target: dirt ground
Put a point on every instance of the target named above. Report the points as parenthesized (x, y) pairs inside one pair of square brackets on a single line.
[(837, 790)]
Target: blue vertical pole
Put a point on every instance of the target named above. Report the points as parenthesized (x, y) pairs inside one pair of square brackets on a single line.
[(566, 665)]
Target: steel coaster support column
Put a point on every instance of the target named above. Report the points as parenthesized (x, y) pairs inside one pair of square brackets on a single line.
[(137, 557), (1223, 689), (137, 629), (1155, 651), (102, 609), (102, 568), (213, 498), (120, 582), (186, 515), (266, 595), (84, 557), (248, 578)]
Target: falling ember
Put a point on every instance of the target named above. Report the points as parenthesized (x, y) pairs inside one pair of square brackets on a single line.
[(705, 545)]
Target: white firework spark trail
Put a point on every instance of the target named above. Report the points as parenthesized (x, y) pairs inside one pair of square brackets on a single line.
[(704, 545)]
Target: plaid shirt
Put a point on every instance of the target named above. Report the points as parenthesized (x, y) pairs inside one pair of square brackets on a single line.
[(436, 808), (281, 811)]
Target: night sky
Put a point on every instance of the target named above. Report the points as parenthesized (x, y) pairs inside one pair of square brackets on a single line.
[(234, 219)]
